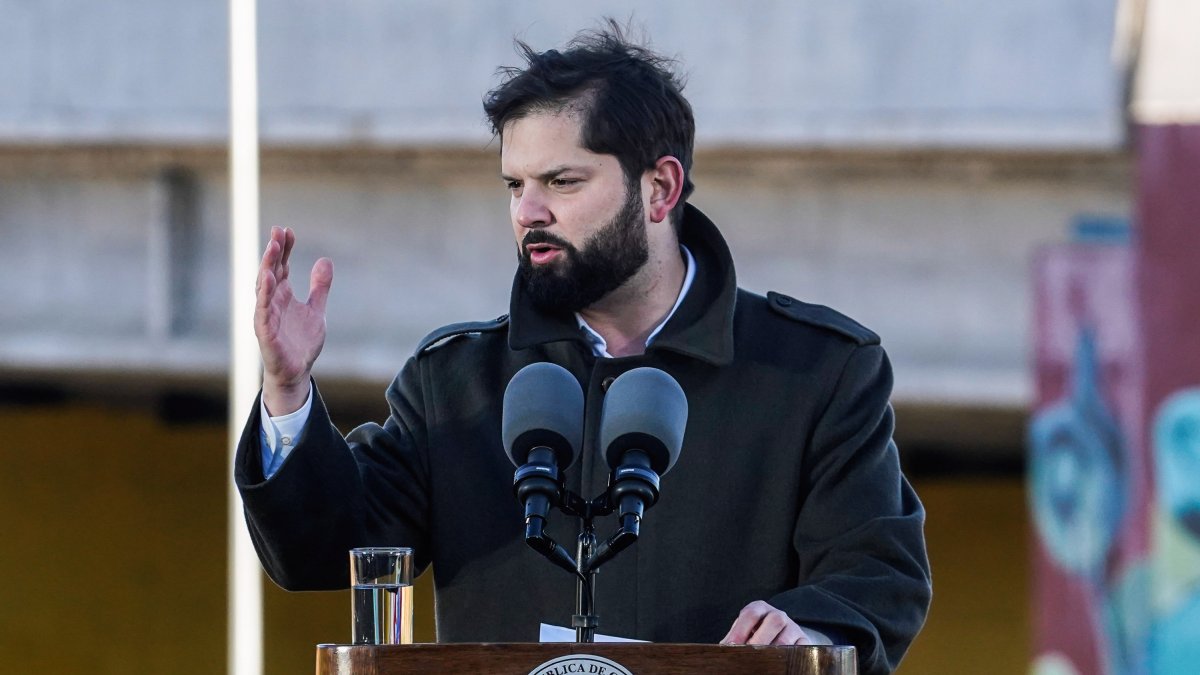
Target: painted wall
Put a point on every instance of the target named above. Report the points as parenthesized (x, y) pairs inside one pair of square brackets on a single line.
[(1115, 439), (1168, 206), (114, 549), (1090, 477)]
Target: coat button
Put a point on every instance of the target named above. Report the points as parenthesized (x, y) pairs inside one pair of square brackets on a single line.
[(606, 383), (783, 301)]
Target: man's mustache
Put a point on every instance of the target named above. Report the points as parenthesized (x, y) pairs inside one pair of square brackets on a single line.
[(544, 237)]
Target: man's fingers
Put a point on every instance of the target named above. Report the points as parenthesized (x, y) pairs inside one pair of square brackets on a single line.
[(289, 241), (265, 288), (773, 623), (759, 623), (319, 282), (792, 635), (747, 620), (270, 254)]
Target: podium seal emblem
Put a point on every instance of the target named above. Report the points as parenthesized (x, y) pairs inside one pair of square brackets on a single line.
[(580, 664)]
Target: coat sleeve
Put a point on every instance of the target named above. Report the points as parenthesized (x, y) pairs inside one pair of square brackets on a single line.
[(863, 571), (333, 494)]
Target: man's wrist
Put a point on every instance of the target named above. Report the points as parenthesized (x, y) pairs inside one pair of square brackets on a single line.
[(284, 399)]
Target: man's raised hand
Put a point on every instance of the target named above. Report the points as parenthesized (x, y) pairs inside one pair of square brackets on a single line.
[(290, 332)]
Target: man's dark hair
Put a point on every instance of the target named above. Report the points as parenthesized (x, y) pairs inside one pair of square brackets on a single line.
[(631, 103)]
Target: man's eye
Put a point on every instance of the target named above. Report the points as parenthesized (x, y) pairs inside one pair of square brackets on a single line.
[(564, 182), (512, 185)]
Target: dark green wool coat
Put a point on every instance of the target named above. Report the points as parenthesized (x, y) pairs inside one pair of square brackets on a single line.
[(788, 488)]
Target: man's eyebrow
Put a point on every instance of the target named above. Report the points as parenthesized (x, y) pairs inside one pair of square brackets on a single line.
[(548, 174)]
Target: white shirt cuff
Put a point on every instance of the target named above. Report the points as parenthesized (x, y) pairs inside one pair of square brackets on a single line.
[(282, 433)]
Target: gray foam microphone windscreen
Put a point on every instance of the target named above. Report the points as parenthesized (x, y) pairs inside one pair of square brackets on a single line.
[(543, 406), (644, 409)]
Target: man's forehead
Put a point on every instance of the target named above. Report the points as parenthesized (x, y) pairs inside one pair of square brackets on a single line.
[(543, 138)]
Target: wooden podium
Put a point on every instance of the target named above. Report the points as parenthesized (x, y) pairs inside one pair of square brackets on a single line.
[(567, 658)]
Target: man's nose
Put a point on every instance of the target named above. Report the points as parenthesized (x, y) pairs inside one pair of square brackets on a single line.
[(532, 210)]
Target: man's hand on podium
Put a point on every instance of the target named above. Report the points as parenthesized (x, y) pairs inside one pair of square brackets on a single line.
[(761, 624)]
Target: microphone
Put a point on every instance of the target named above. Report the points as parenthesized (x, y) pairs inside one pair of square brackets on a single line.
[(542, 430), (641, 430)]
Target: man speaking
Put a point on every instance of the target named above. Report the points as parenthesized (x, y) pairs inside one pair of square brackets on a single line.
[(786, 519)]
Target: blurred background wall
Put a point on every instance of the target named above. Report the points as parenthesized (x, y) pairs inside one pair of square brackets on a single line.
[(899, 161)]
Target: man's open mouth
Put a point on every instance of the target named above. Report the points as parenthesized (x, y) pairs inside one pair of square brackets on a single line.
[(540, 254)]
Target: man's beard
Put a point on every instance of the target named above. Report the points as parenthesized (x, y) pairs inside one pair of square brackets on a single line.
[(580, 277)]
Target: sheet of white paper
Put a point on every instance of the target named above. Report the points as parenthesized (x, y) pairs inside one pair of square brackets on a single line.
[(551, 633)]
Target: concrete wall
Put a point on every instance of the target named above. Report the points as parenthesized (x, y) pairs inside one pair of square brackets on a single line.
[(898, 160), (125, 268), (897, 73)]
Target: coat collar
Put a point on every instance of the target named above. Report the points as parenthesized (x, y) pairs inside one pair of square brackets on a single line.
[(702, 327)]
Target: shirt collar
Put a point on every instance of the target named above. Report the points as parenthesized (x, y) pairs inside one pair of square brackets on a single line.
[(597, 342)]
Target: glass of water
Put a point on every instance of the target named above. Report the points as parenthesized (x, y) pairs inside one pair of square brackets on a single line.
[(381, 612)]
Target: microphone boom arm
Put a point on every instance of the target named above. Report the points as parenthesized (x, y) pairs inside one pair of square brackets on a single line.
[(622, 539), (538, 540)]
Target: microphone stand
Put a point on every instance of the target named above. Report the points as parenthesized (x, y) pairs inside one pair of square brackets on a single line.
[(584, 620), (589, 554)]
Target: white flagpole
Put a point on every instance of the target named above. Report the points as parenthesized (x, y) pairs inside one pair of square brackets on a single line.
[(245, 631)]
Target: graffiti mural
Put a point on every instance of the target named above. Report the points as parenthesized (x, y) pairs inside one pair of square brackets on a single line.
[(1088, 478), (1175, 639), (1078, 473)]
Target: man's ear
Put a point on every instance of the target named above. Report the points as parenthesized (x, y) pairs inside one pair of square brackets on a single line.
[(666, 187)]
